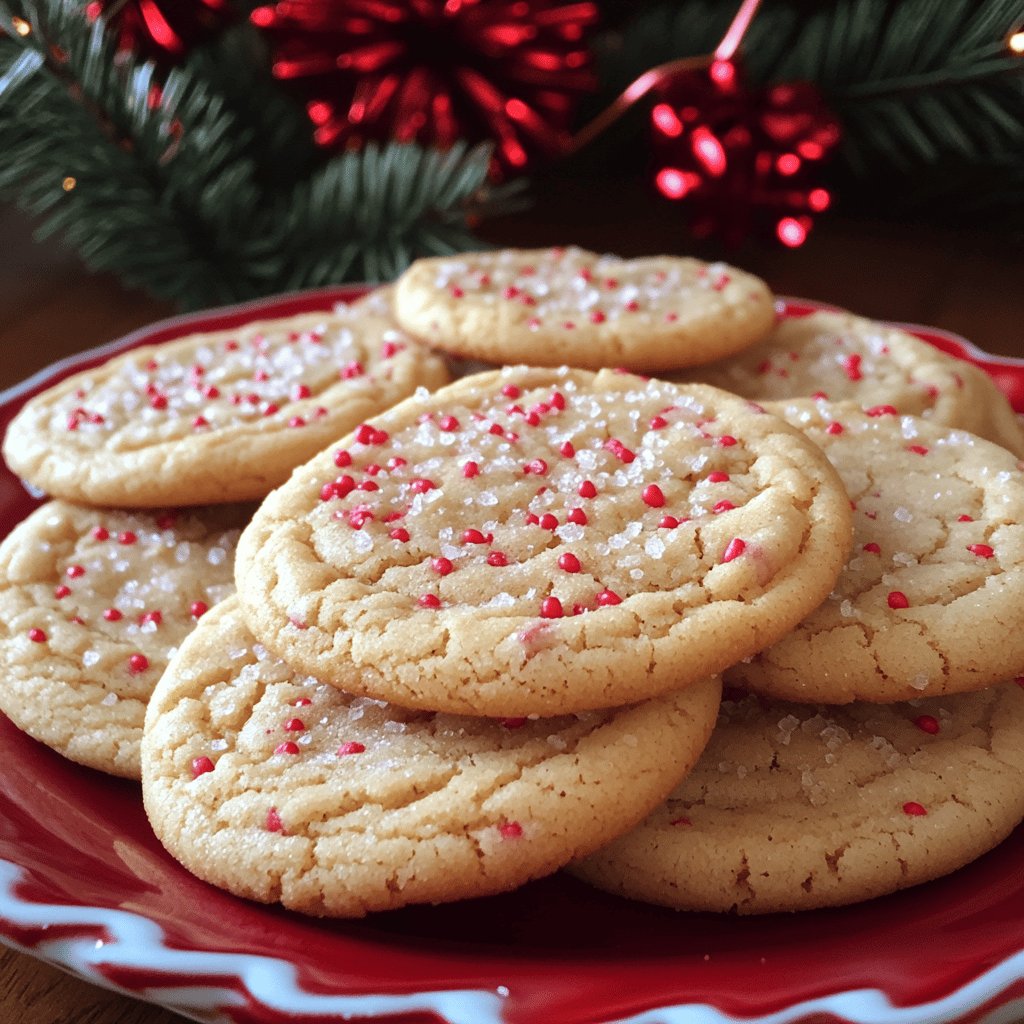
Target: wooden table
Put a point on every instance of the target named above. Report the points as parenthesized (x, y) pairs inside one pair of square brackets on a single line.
[(50, 307)]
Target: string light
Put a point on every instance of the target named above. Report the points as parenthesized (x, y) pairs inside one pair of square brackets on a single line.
[(1016, 43), (68, 184), (22, 27)]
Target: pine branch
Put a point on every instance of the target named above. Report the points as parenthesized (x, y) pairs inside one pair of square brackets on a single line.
[(236, 64), (366, 215), (157, 186), (914, 82), (158, 181)]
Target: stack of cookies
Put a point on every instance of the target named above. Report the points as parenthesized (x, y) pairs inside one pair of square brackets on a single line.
[(480, 634)]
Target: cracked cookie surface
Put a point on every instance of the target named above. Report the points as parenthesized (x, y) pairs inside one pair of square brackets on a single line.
[(930, 599), (550, 307), (219, 416), (283, 789), (92, 604), (845, 357), (535, 541), (795, 806)]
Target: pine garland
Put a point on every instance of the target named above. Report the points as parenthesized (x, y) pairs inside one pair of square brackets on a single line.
[(926, 90), (163, 182), (202, 184)]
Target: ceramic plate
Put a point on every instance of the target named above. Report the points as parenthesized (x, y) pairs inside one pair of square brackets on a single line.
[(84, 884)]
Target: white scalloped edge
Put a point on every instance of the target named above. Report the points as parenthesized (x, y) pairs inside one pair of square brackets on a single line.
[(137, 943)]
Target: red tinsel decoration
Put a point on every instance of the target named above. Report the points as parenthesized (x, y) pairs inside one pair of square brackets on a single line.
[(745, 161), (161, 30), (436, 71)]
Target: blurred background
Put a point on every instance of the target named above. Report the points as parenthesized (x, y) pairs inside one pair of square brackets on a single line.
[(167, 155)]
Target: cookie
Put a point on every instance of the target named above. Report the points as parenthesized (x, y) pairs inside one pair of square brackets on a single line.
[(217, 417), (841, 356), (92, 604), (283, 789), (548, 307), (533, 541), (931, 599), (794, 806)]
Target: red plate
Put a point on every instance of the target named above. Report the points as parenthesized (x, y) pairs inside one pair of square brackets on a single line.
[(84, 883)]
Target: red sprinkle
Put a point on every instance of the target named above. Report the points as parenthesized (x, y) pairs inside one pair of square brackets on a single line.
[(301, 702), (449, 424), (197, 609), (567, 450), (37, 636), (928, 724), (127, 537), (420, 485), (834, 428), (568, 562), (442, 566), (917, 449), (399, 533), (429, 601), (597, 317), (342, 458), (497, 558), (668, 522), (619, 450), (607, 598), (733, 549), (873, 548), (74, 571), (351, 370), (551, 608), (473, 537), (286, 748), (100, 533), (915, 810), (722, 506), (587, 490), (155, 617), (61, 591), (351, 747), (511, 830), (548, 521), (200, 766), (718, 477), (851, 366), (981, 550), (965, 519), (112, 615), (511, 391), (470, 470), (726, 440), (882, 410), (577, 516), (653, 496), (366, 434), (538, 467), (657, 422), (359, 517), (897, 599), (138, 663), (274, 821)]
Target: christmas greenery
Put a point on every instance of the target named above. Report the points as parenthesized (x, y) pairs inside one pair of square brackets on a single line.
[(201, 182), (181, 187), (929, 95)]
